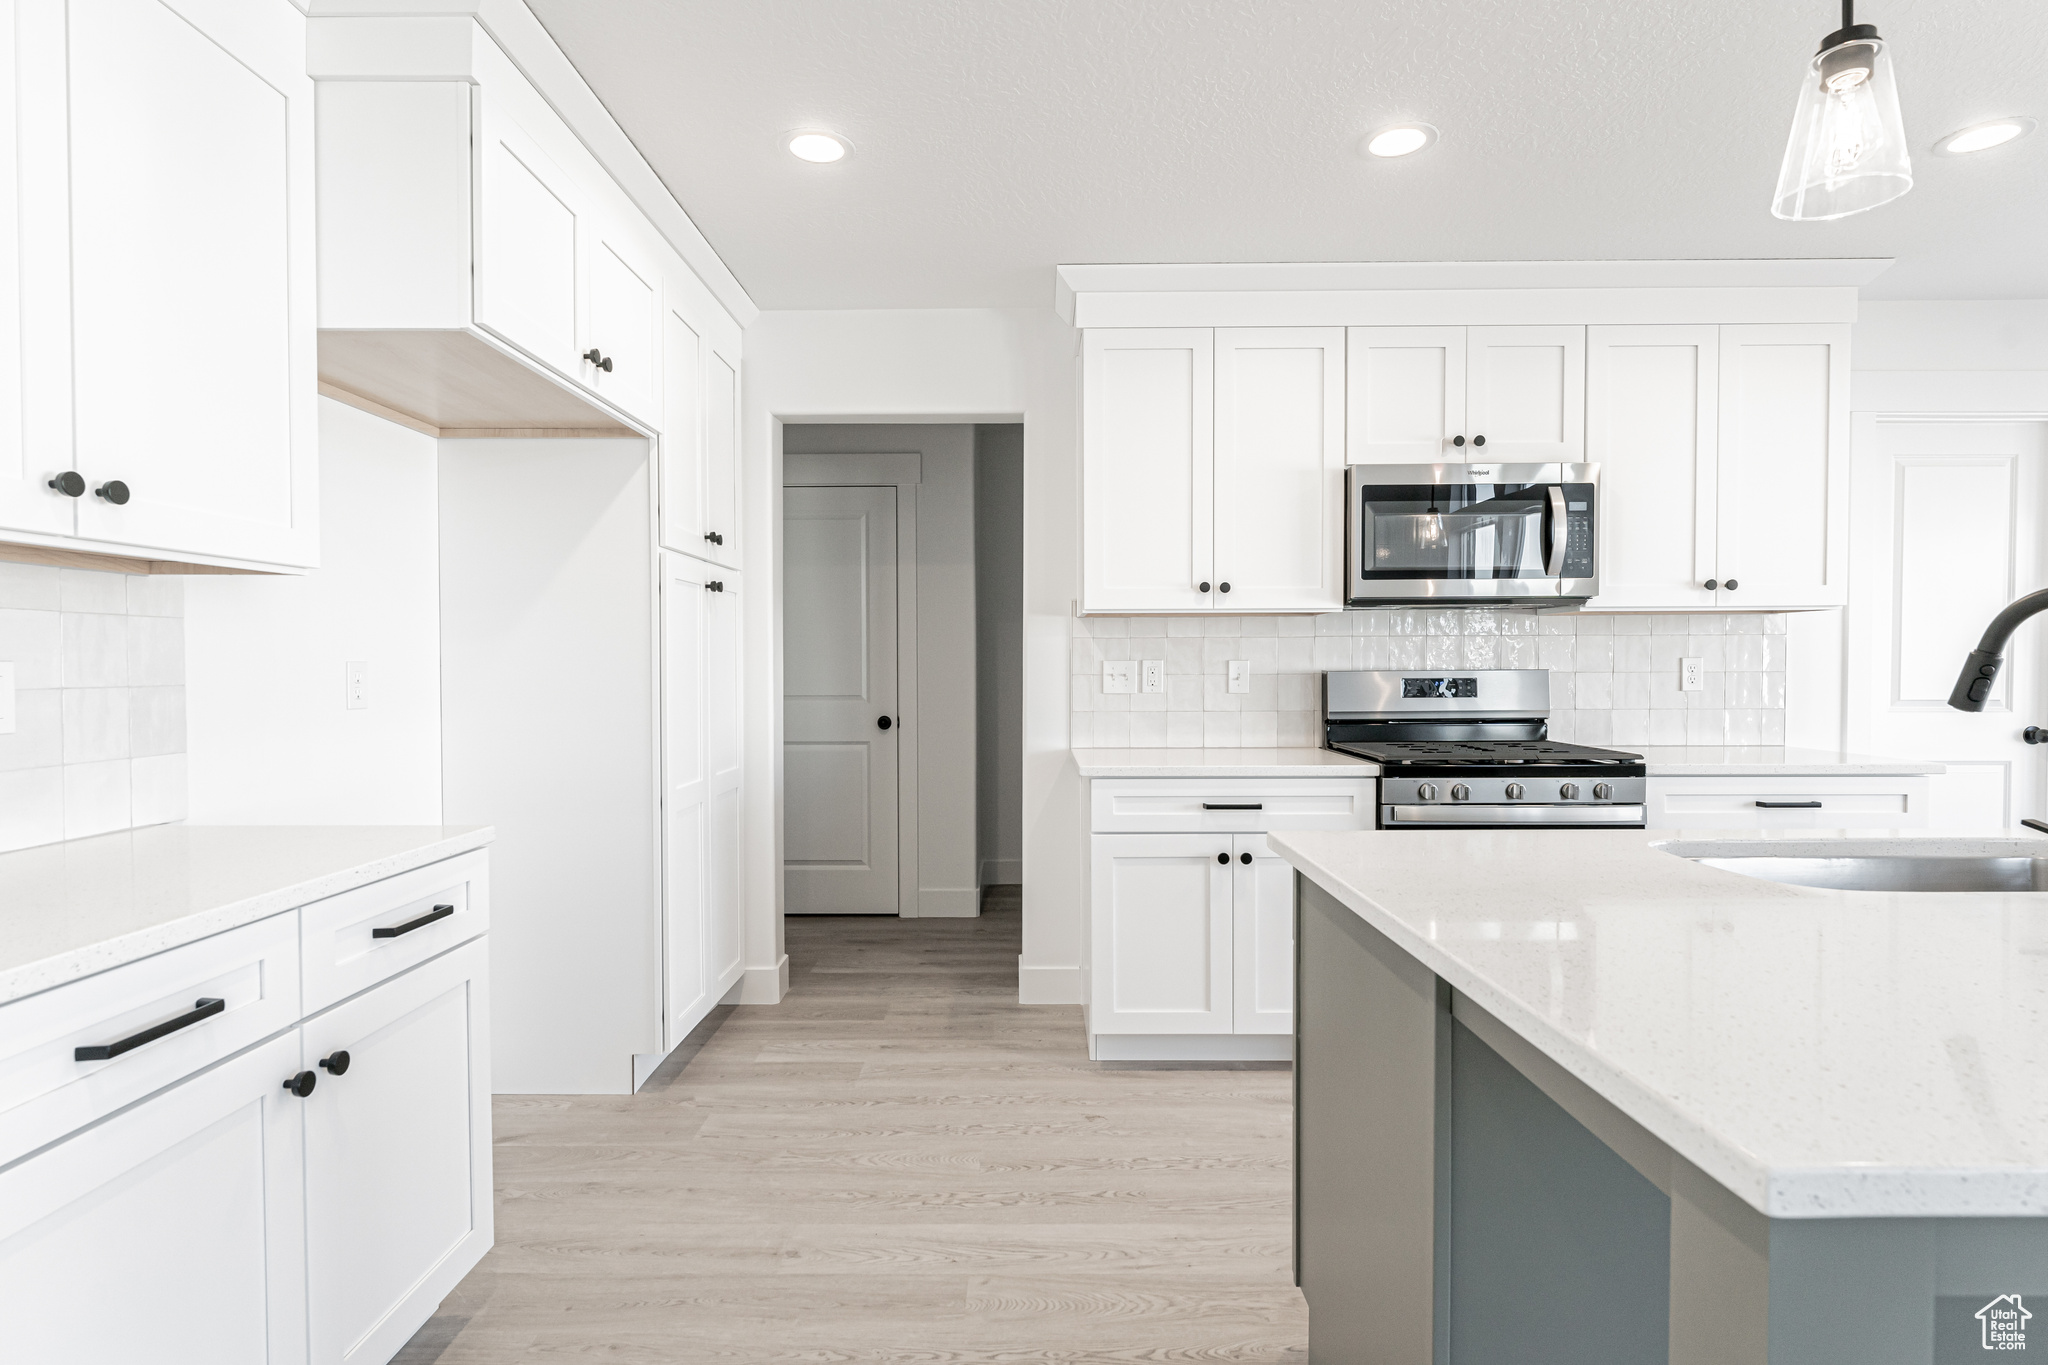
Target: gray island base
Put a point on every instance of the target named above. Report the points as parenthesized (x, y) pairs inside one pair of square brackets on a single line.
[(1461, 1199)]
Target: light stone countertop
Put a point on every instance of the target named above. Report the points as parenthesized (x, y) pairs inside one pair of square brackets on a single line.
[(1678, 760), (1220, 763), (1823, 1054), (70, 909)]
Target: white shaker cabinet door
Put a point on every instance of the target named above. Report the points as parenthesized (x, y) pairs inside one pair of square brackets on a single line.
[(1262, 919), (1148, 459), (173, 1233), (722, 719), (722, 456), (35, 308), (529, 217), (191, 270), (1160, 952), (1783, 497), (1406, 388), (622, 327), (1279, 469), (686, 795), (682, 436), (1652, 413), (398, 1155), (1525, 394)]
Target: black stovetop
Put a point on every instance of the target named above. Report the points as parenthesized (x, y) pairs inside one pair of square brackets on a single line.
[(1481, 752)]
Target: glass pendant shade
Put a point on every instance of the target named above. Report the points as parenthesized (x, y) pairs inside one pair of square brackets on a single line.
[(1848, 147)]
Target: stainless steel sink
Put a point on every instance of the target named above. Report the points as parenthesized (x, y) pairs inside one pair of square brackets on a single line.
[(1895, 874)]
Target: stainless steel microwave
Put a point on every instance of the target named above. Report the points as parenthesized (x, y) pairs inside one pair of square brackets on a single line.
[(1471, 534)]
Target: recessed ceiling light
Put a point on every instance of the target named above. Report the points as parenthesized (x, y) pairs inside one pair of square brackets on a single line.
[(1982, 137), (1401, 139), (818, 147)]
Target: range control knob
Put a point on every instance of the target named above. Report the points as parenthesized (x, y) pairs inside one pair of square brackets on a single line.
[(1426, 792), (1568, 792), (1461, 792), (1602, 791), (1514, 791)]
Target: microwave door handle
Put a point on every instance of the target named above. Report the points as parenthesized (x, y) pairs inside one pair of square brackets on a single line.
[(1554, 523)]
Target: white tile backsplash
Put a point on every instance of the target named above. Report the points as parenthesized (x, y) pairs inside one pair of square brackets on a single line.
[(1614, 679), (99, 741)]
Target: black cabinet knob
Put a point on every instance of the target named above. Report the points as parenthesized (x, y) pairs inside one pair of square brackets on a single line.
[(114, 491), (301, 1084), (1730, 585), (70, 483), (335, 1063), (1202, 588), (1478, 440), (715, 585), (1223, 858), (597, 358), (1711, 585), (1245, 858), (1223, 587), (1457, 440), (884, 723), (714, 537)]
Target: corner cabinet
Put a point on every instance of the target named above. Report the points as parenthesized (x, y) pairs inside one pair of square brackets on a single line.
[(157, 319), (1213, 469)]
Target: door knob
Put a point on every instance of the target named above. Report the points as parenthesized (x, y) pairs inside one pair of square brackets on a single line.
[(335, 1063), (2034, 734), (114, 491), (70, 483), (301, 1084), (884, 723)]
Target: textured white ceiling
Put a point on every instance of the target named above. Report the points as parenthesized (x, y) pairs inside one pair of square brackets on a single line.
[(997, 138)]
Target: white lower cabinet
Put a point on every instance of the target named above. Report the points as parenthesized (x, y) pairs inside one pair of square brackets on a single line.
[(1163, 936), (1788, 802), (1262, 937)]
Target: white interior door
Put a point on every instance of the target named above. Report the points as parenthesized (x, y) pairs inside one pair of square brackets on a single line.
[(1783, 507), (840, 719), (1947, 530), (191, 241), (682, 436), (623, 325), (686, 794), (1525, 394), (1406, 389), (172, 1233), (1652, 404), (1161, 937), (1279, 473), (723, 665), (398, 1188), (1148, 448), (1262, 927)]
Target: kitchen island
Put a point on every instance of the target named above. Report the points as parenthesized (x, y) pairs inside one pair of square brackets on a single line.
[(1567, 1096)]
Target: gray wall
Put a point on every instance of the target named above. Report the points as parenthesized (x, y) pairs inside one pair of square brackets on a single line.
[(999, 649)]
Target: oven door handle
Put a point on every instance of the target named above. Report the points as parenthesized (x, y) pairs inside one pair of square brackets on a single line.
[(1513, 815), (1554, 523)]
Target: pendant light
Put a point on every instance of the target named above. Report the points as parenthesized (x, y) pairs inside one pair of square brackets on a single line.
[(1848, 147)]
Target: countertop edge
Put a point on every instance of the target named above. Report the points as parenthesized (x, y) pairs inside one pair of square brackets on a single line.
[(33, 978), (1902, 768)]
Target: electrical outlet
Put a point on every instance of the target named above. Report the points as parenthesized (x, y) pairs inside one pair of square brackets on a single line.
[(6, 699), (1692, 675), (357, 684), (1154, 675), (1119, 675), (1240, 675)]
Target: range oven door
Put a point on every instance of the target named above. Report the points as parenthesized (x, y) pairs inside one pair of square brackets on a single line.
[(1471, 533)]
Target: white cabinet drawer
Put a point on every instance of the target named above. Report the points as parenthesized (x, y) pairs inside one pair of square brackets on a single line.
[(1787, 802), (354, 940), (46, 1091), (1237, 805)]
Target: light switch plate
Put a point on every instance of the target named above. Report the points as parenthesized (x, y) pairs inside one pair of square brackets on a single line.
[(6, 699), (1119, 675), (1240, 675), (1153, 675), (357, 685), (1692, 675)]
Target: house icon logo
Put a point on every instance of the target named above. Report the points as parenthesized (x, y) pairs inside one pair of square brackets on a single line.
[(2004, 1321)]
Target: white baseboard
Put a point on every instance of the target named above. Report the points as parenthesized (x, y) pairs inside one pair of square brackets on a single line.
[(1002, 871), (1191, 1047), (948, 902), (644, 1064), (761, 985), (1048, 985)]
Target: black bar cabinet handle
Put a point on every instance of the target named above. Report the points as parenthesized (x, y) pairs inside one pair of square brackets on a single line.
[(1253, 806), (2035, 824), (203, 1008), (394, 930), (1788, 805)]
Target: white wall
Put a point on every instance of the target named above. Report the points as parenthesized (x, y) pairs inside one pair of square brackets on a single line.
[(270, 740), (999, 649), (969, 364), (946, 873)]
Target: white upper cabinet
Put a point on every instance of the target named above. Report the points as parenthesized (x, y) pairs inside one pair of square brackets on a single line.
[(1783, 508), (1148, 451), (1406, 395), (721, 456), (1652, 407), (682, 435), (621, 350), (1279, 469), (528, 217), (1525, 394), (34, 439)]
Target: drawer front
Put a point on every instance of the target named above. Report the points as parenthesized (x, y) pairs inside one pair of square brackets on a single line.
[(46, 1091), (1242, 805), (1788, 803), (346, 953)]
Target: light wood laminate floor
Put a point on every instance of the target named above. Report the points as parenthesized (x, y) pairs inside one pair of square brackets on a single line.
[(897, 1163)]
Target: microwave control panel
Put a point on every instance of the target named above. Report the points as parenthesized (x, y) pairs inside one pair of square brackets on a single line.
[(1578, 530)]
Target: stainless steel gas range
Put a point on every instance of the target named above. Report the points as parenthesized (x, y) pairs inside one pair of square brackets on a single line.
[(1471, 748)]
